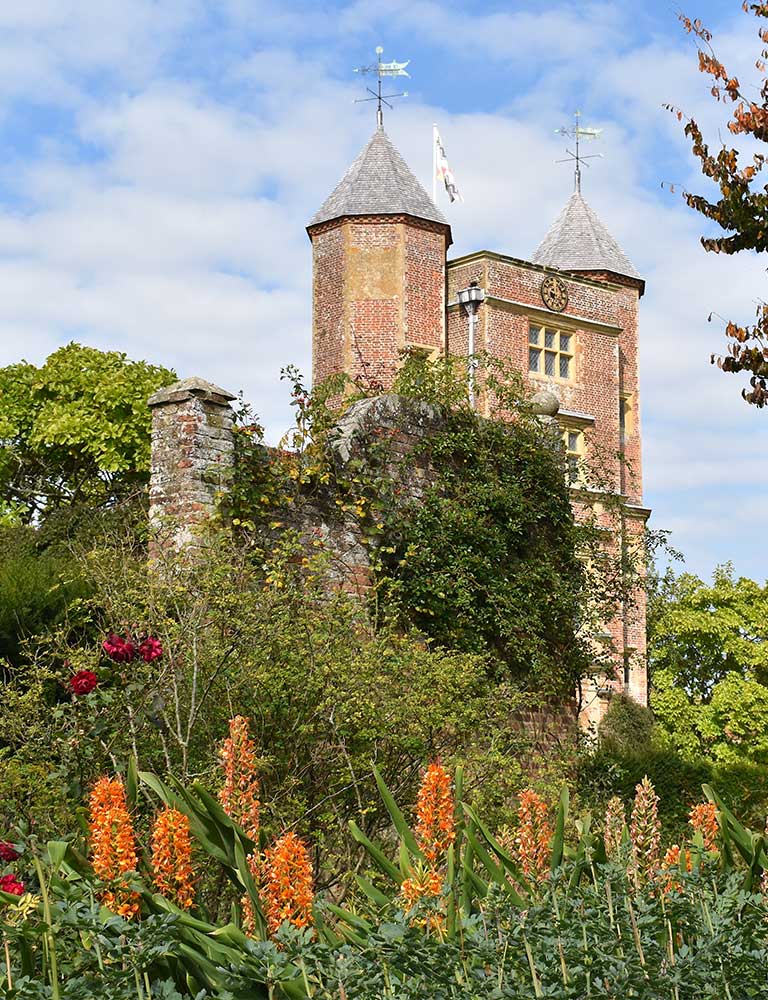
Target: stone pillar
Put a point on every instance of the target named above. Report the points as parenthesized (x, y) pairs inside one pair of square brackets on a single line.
[(193, 452)]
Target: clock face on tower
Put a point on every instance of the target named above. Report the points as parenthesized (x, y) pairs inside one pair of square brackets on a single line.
[(554, 293)]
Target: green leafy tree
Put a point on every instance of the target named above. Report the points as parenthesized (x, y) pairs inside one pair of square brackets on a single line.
[(708, 647), (740, 210), (74, 431), (700, 633)]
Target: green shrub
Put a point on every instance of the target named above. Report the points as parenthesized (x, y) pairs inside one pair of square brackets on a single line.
[(36, 585), (34, 799), (677, 781), (626, 727)]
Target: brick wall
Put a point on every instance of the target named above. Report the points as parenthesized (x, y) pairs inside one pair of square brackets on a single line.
[(329, 258), (378, 287), (602, 317)]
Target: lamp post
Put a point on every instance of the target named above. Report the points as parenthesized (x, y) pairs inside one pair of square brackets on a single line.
[(471, 298)]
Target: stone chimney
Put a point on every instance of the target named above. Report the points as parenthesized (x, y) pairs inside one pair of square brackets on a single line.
[(193, 453)]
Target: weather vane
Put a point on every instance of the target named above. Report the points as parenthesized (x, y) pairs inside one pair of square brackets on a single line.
[(382, 69), (578, 131)]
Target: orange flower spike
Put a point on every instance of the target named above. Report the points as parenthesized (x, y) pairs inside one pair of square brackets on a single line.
[(426, 884), (172, 858), (671, 863), (113, 843), (435, 813), (239, 796), (703, 819), (287, 883), (534, 834)]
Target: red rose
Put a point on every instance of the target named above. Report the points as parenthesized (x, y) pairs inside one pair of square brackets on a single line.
[(83, 682), (7, 851), (151, 649), (9, 883), (119, 649)]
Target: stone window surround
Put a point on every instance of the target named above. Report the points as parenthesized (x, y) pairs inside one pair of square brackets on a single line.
[(537, 342)]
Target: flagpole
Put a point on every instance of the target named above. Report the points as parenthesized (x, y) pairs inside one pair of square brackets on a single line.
[(434, 163)]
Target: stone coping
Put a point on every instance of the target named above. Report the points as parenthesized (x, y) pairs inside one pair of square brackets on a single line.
[(191, 388)]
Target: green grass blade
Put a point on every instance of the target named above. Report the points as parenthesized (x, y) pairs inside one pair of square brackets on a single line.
[(398, 819)]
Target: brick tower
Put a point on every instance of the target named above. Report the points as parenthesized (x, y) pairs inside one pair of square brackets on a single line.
[(379, 245), (567, 319), (579, 242)]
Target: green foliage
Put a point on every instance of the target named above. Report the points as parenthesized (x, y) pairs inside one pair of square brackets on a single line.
[(599, 941), (627, 726), (677, 780), (485, 560), (604, 773), (707, 941), (327, 692), (731, 727), (33, 798), (74, 431), (36, 585), (700, 633), (708, 649), (68, 947)]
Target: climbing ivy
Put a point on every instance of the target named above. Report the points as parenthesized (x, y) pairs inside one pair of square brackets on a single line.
[(484, 556), (485, 560)]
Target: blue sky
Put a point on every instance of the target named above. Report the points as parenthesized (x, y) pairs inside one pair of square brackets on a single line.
[(160, 159)]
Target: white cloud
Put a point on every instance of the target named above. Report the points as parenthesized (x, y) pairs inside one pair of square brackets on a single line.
[(49, 48), (565, 31)]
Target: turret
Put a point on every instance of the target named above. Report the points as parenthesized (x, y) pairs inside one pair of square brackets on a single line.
[(579, 243), (378, 246)]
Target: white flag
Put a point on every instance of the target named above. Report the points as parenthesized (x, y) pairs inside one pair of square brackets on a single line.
[(443, 171)]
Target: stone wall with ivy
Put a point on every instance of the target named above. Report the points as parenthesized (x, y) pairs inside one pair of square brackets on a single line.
[(445, 522)]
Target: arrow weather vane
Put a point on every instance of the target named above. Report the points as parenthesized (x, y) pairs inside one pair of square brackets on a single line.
[(576, 132), (382, 69)]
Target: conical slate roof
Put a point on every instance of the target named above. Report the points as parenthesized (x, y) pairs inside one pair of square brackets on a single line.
[(578, 241), (379, 182)]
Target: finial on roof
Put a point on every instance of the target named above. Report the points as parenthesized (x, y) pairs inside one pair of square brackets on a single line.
[(576, 132), (382, 69)]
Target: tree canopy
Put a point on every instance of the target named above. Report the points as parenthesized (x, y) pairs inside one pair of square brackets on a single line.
[(76, 429), (700, 633), (708, 651)]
